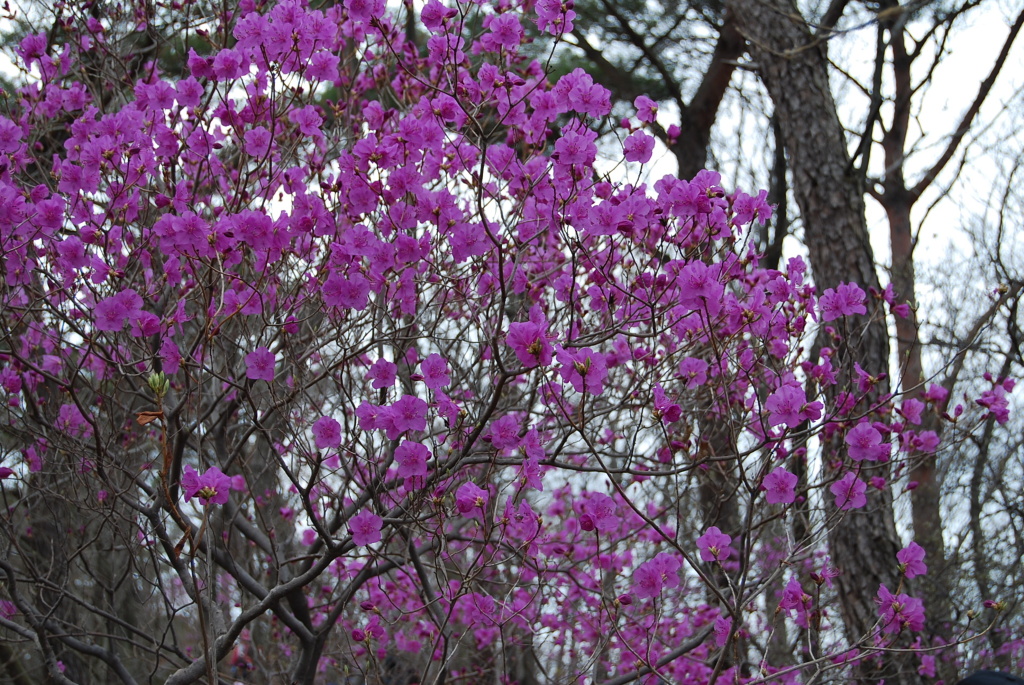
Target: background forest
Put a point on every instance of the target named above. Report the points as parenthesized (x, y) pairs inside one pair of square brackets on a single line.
[(848, 115)]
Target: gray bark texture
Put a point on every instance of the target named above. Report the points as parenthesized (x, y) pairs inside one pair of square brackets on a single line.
[(793, 65)]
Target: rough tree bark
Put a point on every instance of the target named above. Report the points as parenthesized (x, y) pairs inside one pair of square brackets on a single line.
[(793, 64), (898, 198)]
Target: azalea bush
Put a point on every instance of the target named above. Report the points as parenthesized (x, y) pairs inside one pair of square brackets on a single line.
[(352, 353)]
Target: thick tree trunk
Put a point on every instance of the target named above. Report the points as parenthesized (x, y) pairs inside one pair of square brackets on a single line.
[(794, 68), (697, 118)]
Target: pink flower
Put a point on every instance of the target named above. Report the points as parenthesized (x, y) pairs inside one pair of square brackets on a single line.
[(412, 459), (601, 512), (714, 545), (638, 147), (899, 611), (308, 121), (584, 369), (694, 370), (434, 14), (257, 141), (326, 433), (794, 597), (528, 340), (504, 433), (927, 441), (365, 528), (364, 10), (995, 401), (409, 413), (260, 365), (749, 207), (669, 412), (383, 374), (866, 443), (911, 560), (911, 410), (371, 416), (927, 667), (780, 487), (554, 16), (213, 486), (506, 31), (657, 574), (935, 393), (788, 405), (228, 64), (112, 312), (575, 148), (348, 293), (850, 492), (435, 372), (646, 109), (470, 498), (847, 299), (723, 629)]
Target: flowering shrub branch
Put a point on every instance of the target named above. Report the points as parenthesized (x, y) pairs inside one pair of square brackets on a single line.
[(436, 389)]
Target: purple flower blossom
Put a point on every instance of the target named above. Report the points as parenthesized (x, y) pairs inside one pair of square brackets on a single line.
[(435, 372), (865, 443), (435, 13), (364, 10), (71, 421), (470, 499), (847, 299), (664, 409), (638, 147), (794, 597), (659, 573), (996, 402), (899, 611), (228, 64), (714, 545), (308, 121), (504, 433), (506, 31), (257, 141), (722, 630), (383, 374), (409, 413), (695, 371), (935, 393), (911, 560), (326, 433), (646, 109), (554, 16), (260, 365), (584, 369), (529, 341), (112, 313), (575, 148), (911, 410), (601, 511), (412, 459), (365, 528), (850, 492), (749, 207), (780, 487), (788, 405), (213, 486), (348, 293)]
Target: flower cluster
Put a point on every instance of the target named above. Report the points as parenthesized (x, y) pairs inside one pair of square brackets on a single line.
[(470, 389)]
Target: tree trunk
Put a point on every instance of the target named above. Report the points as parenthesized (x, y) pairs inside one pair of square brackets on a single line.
[(793, 65)]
